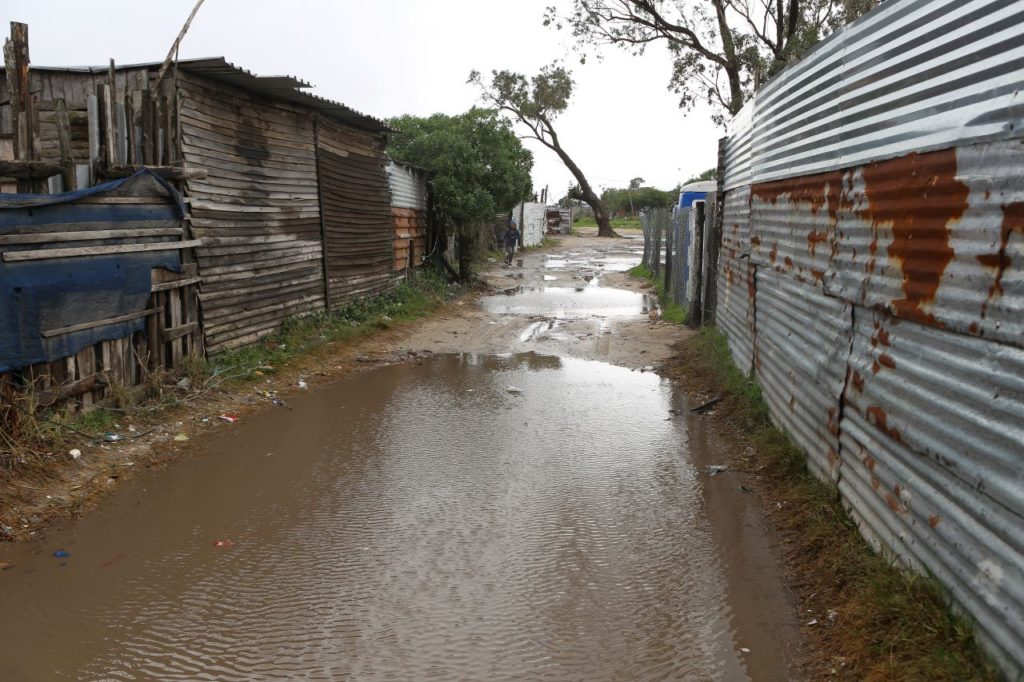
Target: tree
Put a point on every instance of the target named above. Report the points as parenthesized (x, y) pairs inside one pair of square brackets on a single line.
[(636, 183), (478, 167), (709, 174), (722, 50), (535, 104)]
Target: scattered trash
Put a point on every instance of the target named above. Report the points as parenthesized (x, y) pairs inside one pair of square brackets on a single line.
[(832, 615), (185, 384), (278, 402), (230, 418), (258, 373), (205, 420), (4, 565), (131, 429), (701, 409), (715, 469), (513, 389), (75, 453), (491, 260), (111, 437), (303, 384), (745, 489), (181, 437), (223, 543), (812, 621), (744, 649), (62, 554)]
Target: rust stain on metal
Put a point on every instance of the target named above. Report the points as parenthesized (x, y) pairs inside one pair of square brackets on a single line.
[(755, 241), (815, 237), (1013, 221), (858, 381), (876, 415), (893, 502), (822, 189), (886, 361), (934, 520), (918, 195), (833, 422), (875, 484), (869, 462), (789, 262), (774, 253)]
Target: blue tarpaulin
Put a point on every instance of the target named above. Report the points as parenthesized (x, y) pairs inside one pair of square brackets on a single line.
[(38, 296)]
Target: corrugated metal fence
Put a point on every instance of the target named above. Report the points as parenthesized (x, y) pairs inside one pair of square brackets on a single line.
[(871, 277)]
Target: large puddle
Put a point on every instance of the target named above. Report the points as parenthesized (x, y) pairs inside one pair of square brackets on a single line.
[(468, 517), (582, 301)]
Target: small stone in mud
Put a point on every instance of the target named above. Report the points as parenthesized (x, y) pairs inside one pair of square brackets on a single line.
[(513, 389)]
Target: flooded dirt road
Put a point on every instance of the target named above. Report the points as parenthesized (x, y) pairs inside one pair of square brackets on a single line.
[(496, 513)]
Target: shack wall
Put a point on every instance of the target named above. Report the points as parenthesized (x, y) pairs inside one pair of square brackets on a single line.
[(357, 221), (257, 210)]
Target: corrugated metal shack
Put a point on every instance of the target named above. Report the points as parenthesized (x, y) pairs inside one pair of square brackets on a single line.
[(287, 191), (409, 212), (872, 278)]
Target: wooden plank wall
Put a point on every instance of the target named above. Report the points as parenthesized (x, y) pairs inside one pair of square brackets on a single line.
[(410, 241), (257, 211), (354, 195)]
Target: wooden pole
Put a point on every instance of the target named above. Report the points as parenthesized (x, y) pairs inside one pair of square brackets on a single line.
[(67, 162), (172, 53)]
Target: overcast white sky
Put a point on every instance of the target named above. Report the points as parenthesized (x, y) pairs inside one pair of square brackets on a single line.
[(391, 57)]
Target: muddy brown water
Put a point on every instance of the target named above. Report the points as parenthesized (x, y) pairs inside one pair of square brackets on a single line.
[(478, 517)]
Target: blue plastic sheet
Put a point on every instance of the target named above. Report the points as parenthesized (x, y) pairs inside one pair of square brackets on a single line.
[(45, 295)]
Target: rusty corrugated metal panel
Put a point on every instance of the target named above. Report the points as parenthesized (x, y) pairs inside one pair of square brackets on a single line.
[(410, 240), (910, 76), (356, 204), (256, 211), (932, 434), (803, 340), (736, 286), (408, 186), (793, 225), (935, 237)]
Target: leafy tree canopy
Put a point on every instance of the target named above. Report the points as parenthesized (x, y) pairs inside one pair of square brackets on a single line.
[(722, 50), (477, 164)]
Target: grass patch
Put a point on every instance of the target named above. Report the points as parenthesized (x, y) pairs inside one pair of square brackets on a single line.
[(627, 222), (670, 310), (416, 297), (890, 623)]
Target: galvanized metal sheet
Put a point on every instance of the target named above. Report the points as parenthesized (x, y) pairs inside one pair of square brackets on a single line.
[(912, 75), (933, 463), (802, 342), (739, 148), (532, 216), (408, 186), (734, 313)]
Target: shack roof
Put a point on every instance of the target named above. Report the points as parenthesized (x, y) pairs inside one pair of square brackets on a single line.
[(285, 88)]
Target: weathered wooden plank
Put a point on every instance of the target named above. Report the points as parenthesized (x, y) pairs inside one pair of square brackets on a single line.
[(173, 333), (73, 252), (28, 169), (67, 162), (98, 323), (169, 172), (178, 284), (86, 235)]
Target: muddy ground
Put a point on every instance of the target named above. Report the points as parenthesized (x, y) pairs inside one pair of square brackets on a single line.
[(54, 486), (493, 321)]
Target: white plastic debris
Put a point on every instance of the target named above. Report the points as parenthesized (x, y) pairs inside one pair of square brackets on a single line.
[(513, 389), (303, 384), (715, 469), (75, 454)]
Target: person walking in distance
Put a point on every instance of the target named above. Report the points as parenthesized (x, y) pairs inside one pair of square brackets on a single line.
[(511, 240)]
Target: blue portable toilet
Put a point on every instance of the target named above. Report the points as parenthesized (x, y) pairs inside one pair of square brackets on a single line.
[(689, 195)]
